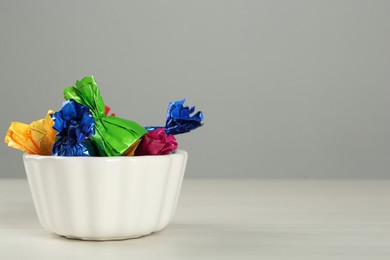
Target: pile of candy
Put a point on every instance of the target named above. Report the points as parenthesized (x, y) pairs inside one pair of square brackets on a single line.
[(83, 127)]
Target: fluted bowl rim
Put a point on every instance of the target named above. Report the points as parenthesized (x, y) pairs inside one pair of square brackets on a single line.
[(102, 158)]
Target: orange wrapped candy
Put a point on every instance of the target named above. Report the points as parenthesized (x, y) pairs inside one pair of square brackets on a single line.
[(35, 138), (132, 148)]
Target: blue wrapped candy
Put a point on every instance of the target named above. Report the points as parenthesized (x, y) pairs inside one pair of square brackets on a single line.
[(74, 124), (179, 119)]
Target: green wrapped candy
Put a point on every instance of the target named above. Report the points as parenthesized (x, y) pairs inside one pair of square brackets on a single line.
[(113, 135)]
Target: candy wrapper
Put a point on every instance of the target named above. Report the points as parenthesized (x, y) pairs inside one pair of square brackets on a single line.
[(85, 127), (157, 142), (113, 136), (179, 119), (74, 124), (160, 140), (108, 109), (35, 138)]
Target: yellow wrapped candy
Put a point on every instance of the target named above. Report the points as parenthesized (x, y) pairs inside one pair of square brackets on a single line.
[(35, 138), (131, 150)]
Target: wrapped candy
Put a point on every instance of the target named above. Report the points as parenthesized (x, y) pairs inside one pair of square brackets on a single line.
[(35, 138), (132, 149), (113, 136), (179, 119), (108, 109), (74, 124), (156, 142), (87, 128), (160, 140)]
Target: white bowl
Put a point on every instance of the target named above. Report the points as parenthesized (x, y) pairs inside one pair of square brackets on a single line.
[(105, 198)]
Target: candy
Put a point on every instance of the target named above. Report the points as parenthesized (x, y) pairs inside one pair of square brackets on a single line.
[(179, 119), (114, 136), (35, 138), (74, 124), (85, 127), (157, 142), (108, 109)]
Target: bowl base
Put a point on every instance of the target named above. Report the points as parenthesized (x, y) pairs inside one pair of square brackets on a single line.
[(104, 238)]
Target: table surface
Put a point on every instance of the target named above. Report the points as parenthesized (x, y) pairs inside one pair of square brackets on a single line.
[(227, 219)]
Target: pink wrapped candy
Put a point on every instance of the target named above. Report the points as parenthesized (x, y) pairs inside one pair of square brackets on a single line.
[(156, 142)]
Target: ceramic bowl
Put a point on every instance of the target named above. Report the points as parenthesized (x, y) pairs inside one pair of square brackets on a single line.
[(105, 198)]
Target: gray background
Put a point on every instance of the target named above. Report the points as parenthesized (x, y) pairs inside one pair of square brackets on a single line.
[(289, 89)]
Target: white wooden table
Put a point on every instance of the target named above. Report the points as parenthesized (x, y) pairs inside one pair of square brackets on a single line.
[(227, 219)]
